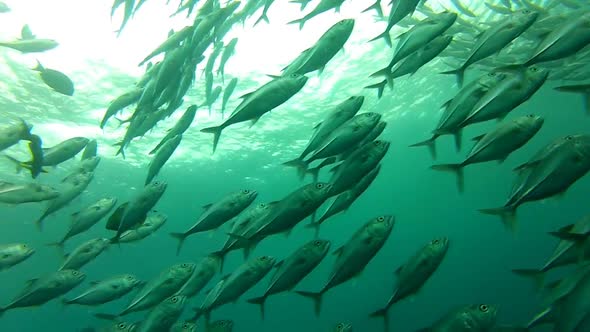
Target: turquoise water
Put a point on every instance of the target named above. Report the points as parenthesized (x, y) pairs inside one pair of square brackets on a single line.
[(426, 204)]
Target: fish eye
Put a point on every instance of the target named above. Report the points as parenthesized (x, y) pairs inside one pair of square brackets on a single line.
[(526, 11), (263, 258), (377, 143), (186, 326), (380, 219), (245, 191), (569, 137), (184, 265), (317, 243), (130, 278), (294, 75), (530, 116), (24, 246), (535, 69), (492, 74), (340, 326), (261, 205), (435, 242), (121, 326), (319, 185), (483, 308), (174, 299), (75, 273)]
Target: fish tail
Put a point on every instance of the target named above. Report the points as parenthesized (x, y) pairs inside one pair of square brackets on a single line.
[(458, 139), (39, 222), (300, 21), (303, 3), (459, 72), (180, 237), (315, 173), (430, 143), (316, 297), (384, 35), (19, 165), (376, 6), (262, 17), (536, 276), (383, 314), (121, 150), (59, 245), (220, 254), (299, 164), (216, 131), (379, 86), (39, 66), (456, 169), (507, 213), (260, 301)]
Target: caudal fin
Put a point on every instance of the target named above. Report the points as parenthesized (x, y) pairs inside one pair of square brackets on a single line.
[(262, 17), (300, 21), (384, 35), (376, 6), (216, 131), (180, 237), (460, 73), (59, 245), (316, 227), (456, 169), (315, 297), (220, 255), (260, 301), (383, 314), (536, 276), (430, 143), (507, 213), (300, 165), (379, 86), (39, 222)]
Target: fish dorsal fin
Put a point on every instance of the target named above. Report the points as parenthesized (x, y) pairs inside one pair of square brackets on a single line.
[(338, 251), (244, 96), (478, 138), (207, 206), (316, 127)]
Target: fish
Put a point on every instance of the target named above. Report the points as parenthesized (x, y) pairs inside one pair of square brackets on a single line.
[(164, 315), (4, 8), (327, 46), (57, 154), (31, 45), (85, 253), (293, 269), (411, 64), (498, 144), (84, 166), (260, 102), (152, 223), (161, 157), (375, 6), (412, 276), (14, 254), (205, 270), (495, 39), (56, 80), (26, 193), (171, 43), (565, 40), (348, 134), (136, 210), (227, 92), (233, 286), (323, 6), (183, 326), (345, 200), (339, 115), (421, 34), (263, 16), (474, 317), (459, 107), (14, 133), (90, 151), (216, 214), (35, 165), (514, 90), (360, 163), (399, 11), (42, 290), (179, 128), (228, 51), (166, 284), (120, 103), (213, 97), (354, 255), (551, 176), (84, 219), (71, 189), (106, 291)]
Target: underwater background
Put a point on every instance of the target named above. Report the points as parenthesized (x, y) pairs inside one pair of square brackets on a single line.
[(426, 204)]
